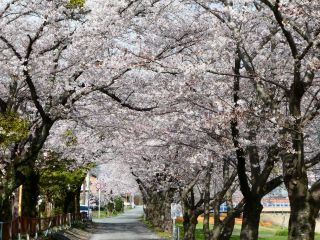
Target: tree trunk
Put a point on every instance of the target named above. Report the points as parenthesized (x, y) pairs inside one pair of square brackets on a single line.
[(206, 204), (5, 208), (190, 221), (154, 212), (69, 203), (229, 225), (302, 221), (222, 230), (251, 219), (12, 180), (215, 233), (303, 211), (227, 230), (167, 221), (30, 194), (158, 211), (206, 224)]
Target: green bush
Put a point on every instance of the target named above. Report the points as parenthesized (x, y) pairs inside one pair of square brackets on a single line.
[(283, 232), (79, 225), (76, 4), (118, 204)]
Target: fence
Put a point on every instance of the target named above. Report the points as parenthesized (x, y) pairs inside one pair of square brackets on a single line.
[(23, 226)]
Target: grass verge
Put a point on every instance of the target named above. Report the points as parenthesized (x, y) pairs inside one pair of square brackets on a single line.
[(265, 233), (163, 235), (104, 214)]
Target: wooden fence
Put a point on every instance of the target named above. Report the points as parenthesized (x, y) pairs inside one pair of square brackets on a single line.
[(32, 227)]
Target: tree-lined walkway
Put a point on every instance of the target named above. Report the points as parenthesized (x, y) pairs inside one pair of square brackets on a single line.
[(126, 226)]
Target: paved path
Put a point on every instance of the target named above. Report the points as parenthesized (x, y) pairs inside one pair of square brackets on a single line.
[(123, 227)]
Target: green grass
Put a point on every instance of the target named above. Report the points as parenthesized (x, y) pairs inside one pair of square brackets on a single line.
[(79, 225), (163, 235), (103, 214), (265, 233)]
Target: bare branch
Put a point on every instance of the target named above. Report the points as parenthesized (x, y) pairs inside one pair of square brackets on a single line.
[(313, 161), (279, 18), (124, 104), (18, 55), (250, 77)]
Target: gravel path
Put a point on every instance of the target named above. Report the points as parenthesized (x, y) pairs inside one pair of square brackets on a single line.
[(126, 226)]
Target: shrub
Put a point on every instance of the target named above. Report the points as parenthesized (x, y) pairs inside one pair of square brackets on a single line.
[(118, 204), (283, 232)]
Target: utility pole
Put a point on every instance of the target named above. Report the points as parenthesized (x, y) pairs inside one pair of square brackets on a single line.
[(20, 209), (88, 192), (99, 200), (98, 186), (132, 200), (20, 201)]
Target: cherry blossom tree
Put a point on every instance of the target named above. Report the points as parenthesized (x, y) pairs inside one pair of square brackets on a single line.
[(49, 62), (282, 66)]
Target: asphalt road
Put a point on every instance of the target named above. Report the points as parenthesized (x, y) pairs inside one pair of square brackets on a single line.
[(123, 227)]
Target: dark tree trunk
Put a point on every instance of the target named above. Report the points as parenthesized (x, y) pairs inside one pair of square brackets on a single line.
[(226, 226), (218, 226), (166, 216), (251, 219), (227, 231), (30, 194), (304, 211), (222, 230), (190, 222), (5, 209), (69, 202), (302, 221), (216, 215), (206, 204), (206, 223), (229, 225)]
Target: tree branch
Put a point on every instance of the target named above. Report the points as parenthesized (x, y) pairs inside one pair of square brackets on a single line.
[(124, 104), (240, 154), (18, 55), (268, 166), (7, 7), (315, 192), (272, 184), (313, 161), (189, 187), (279, 18)]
